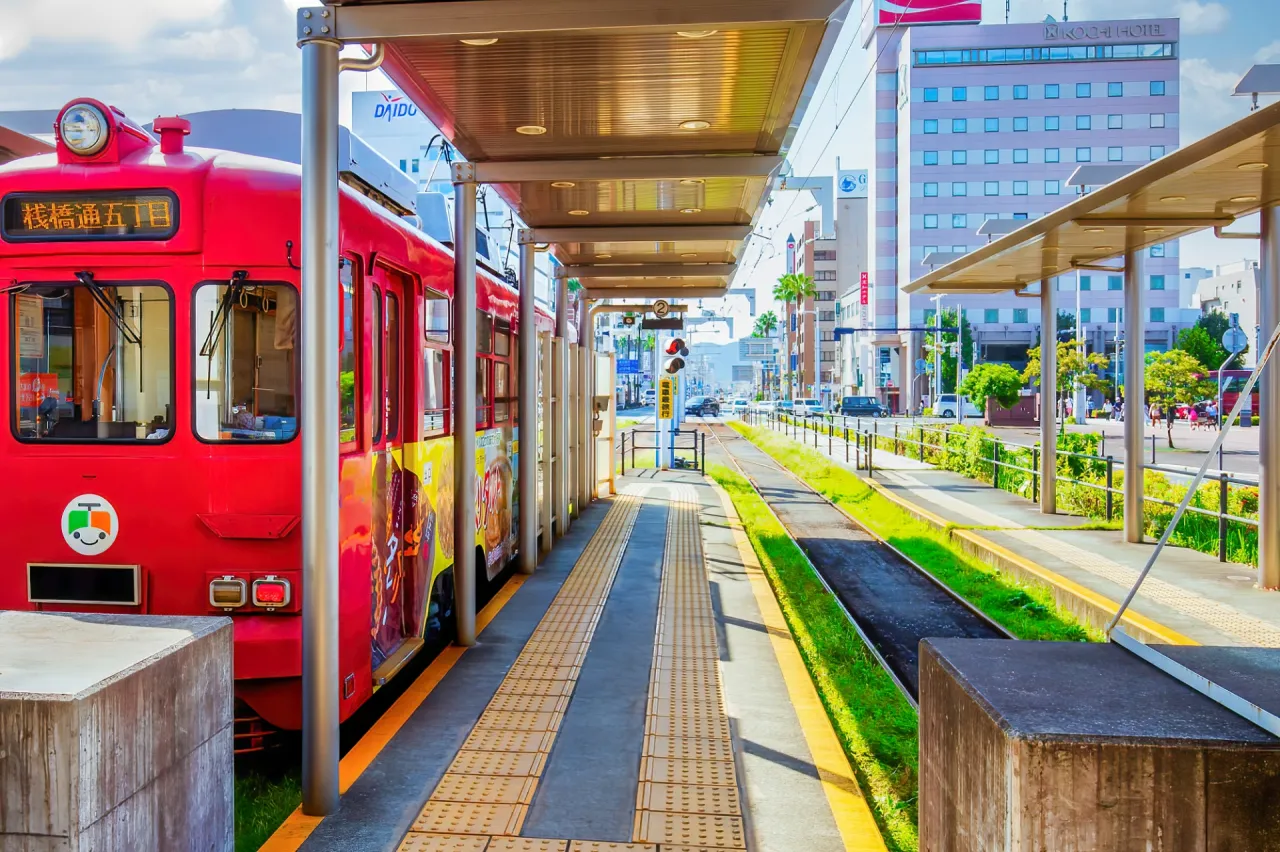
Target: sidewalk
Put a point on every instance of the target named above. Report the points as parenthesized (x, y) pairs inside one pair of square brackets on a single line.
[(1189, 597)]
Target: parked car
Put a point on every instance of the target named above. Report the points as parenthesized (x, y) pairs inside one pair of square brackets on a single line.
[(740, 406), (651, 396), (807, 405), (946, 406), (701, 406), (786, 406), (862, 406), (765, 405)]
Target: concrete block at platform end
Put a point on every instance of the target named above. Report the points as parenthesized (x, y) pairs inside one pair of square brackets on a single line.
[(115, 733), (1079, 746)]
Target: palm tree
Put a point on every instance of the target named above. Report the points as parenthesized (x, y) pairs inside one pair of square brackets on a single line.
[(794, 287), (766, 324)]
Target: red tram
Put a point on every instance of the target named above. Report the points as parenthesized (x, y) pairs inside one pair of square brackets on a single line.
[(152, 458)]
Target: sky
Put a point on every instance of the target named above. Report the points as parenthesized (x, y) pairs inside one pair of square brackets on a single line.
[(154, 57)]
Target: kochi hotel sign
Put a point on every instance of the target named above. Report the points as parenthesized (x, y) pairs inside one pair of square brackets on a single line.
[(1101, 32)]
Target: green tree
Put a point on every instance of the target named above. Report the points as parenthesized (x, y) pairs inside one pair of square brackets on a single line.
[(793, 287), (948, 343), (999, 382), (1176, 376), (1197, 343), (766, 324), (1073, 367)]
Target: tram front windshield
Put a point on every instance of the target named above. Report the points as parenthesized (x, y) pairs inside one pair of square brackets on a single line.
[(92, 361)]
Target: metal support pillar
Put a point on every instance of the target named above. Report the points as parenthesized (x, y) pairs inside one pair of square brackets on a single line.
[(319, 357), (1134, 396), (572, 365), (560, 371), (1048, 400), (547, 395), (586, 406), (464, 408), (1269, 407), (527, 413)]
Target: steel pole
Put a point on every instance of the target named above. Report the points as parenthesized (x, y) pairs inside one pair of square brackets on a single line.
[(464, 408), (319, 357), (1269, 407), (1135, 409), (560, 418), (527, 412), (1048, 400)]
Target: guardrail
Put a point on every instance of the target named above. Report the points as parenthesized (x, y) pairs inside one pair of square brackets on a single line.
[(927, 444), (696, 447)]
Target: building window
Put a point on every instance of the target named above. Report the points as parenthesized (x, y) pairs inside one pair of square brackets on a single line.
[(1115, 282), (1020, 155), (1115, 90), (1157, 250), (1020, 93), (959, 189), (1052, 122), (1020, 315), (930, 221), (1157, 314), (1157, 87), (959, 220), (931, 95), (404, 166), (992, 93), (827, 295), (1085, 313), (1084, 90), (959, 125), (959, 158), (824, 275), (1052, 187), (930, 190), (1020, 216), (928, 250), (1157, 151), (1115, 154), (959, 93), (1115, 122), (991, 125), (1019, 187), (1021, 123), (1115, 315), (1052, 155), (931, 125), (1086, 283), (1051, 91), (1157, 282), (931, 158), (826, 316), (960, 249), (1157, 119), (824, 254), (991, 156), (1084, 122), (991, 315), (1084, 155), (930, 316), (991, 187)]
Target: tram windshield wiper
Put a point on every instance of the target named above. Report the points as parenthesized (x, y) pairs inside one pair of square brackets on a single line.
[(222, 316), (109, 307)]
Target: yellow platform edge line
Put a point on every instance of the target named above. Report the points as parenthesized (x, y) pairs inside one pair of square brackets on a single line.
[(848, 804), (298, 826), (1046, 575)]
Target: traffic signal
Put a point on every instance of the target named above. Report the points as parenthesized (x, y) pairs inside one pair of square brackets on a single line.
[(676, 349)]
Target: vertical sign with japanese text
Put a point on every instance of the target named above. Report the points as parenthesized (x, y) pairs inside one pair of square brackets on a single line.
[(666, 398)]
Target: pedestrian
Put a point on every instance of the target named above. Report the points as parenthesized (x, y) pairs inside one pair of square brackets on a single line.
[(1107, 409), (1154, 413)]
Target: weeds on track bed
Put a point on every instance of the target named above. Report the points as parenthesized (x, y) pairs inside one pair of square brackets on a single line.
[(875, 724), (263, 800), (1028, 612)]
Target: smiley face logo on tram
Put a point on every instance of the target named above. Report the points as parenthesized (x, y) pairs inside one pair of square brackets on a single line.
[(89, 524)]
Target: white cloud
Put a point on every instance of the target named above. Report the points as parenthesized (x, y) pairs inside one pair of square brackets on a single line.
[(123, 23), (233, 44), (1201, 18), (1270, 53), (1207, 103)]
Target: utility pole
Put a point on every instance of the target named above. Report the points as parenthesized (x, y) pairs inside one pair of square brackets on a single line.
[(937, 350)]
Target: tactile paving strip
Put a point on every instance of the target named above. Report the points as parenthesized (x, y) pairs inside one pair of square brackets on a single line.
[(481, 802), (688, 796)]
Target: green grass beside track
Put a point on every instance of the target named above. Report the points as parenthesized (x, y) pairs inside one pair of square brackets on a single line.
[(263, 800)]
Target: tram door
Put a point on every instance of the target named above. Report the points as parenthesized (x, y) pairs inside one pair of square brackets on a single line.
[(399, 593)]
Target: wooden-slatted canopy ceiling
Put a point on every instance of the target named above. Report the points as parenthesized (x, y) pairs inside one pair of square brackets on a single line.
[(1210, 183), (624, 132)]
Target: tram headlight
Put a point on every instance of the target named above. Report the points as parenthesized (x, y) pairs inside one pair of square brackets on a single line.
[(83, 129)]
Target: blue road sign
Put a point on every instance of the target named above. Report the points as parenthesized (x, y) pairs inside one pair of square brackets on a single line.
[(628, 366)]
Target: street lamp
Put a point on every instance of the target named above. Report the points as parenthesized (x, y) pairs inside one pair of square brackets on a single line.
[(937, 348), (814, 344)]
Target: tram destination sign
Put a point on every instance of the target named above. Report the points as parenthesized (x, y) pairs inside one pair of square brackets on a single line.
[(51, 217), (668, 324)]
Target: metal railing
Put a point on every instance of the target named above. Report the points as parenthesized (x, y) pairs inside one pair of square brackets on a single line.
[(1012, 465), (688, 441)]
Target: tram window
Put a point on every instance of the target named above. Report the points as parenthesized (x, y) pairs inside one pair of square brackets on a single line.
[(347, 358), (484, 393), (393, 366), (376, 348), (83, 374), (484, 332), (502, 338), (244, 356), (435, 383), (501, 391), (435, 316)]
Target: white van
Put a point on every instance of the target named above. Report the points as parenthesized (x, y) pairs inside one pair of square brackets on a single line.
[(806, 405), (650, 396)]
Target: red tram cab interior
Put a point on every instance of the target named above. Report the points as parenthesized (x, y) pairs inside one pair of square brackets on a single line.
[(151, 299)]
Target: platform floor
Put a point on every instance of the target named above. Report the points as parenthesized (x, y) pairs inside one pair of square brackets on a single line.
[(1192, 593), (639, 692)]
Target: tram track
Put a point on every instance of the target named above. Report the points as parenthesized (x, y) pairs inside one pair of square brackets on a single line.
[(891, 601)]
